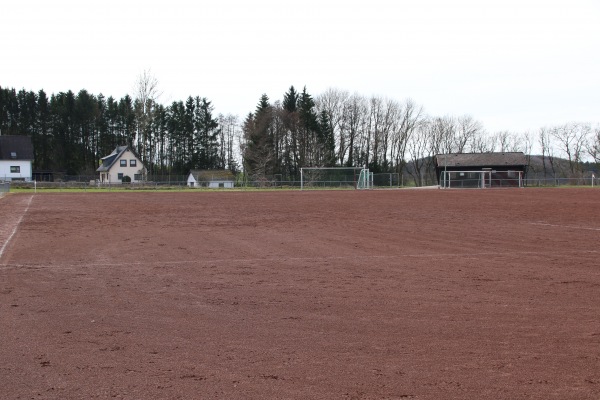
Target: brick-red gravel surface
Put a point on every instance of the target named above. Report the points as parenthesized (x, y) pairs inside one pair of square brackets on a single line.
[(397, 294)]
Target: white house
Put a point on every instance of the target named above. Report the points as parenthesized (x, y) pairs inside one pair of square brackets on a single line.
[(16, 158), (121, 164), (218, 178)]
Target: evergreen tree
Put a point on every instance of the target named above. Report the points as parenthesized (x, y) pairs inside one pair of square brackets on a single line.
[(85, 120), (206, 130), (177, 138), (290, 100), (42, 144), (126, 127), (9, 112), (189, 137), (66, 155), (160, 162), (327, 139), (258, 151), (308, 129)]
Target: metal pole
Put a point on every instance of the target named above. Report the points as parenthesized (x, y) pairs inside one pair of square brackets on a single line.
[(445, 167), (520, 179)]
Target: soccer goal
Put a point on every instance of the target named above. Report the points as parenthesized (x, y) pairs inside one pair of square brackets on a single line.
[(335, 178), (365, 179), (481, 179)]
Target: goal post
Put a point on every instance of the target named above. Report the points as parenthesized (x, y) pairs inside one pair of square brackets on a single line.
[(335, 178), (365, 179), (481, 179)]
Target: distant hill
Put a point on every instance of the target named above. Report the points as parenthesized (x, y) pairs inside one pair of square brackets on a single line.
[(556, 167)]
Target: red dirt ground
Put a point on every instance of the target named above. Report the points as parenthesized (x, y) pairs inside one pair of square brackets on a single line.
[(405, 294)]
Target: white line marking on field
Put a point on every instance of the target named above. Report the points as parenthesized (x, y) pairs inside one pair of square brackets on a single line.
[(284, 259), (565, 226), (5, 245)]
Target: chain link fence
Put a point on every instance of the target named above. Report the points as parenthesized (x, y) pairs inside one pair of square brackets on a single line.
[(179, 182), (557, 182), (4, 187)]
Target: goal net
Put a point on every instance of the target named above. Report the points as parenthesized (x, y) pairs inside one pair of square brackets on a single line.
[(334, 177), (365, 179), (481, 179)]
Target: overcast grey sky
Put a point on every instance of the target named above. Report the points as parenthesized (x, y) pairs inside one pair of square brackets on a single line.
[(514, 65)]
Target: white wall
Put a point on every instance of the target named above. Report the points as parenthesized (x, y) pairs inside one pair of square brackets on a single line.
[(116, 169), (226, 184), (24, 165)]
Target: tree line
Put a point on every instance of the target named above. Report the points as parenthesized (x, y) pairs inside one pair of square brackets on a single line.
[(71, 132), (337, 128)]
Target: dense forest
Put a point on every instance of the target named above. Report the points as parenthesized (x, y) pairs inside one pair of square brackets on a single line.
[(72, 131)]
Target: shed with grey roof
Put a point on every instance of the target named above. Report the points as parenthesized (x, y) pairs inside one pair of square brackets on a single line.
[(211, 178), (503, 167)]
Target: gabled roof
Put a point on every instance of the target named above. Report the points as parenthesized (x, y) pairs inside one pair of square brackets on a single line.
[(210, 175), (109, 160), (16, 147), (481, 159)]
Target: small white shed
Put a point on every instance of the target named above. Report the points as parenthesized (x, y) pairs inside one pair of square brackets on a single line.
[(211, 178)]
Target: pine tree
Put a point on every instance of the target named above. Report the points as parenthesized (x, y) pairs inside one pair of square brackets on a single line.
[(326, 138), (43, 143), (290, 100), (258, 155), (206, 128), (308, 130)]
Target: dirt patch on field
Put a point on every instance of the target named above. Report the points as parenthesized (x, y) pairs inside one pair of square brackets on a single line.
[(313, 295)]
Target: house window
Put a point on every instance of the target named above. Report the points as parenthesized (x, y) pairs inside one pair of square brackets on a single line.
[(120, 176), (15, 169), (137, 177), (132, 163), (123, 163), (13, 154)]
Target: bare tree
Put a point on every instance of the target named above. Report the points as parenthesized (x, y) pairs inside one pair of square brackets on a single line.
[(593, 146), (420, 149), (146, 94), (572, 138), (484, 144), (354, 115), (502, 139), (410, 118), (228, 132), (527, 146), (442, 131), (333, 102), (466, 132), (546, 146), (375, 131)]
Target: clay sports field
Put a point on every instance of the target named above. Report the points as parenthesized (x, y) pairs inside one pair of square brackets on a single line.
[(398, 294)]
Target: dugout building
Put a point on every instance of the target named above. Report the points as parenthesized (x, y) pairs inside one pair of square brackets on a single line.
[(464, 170)]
